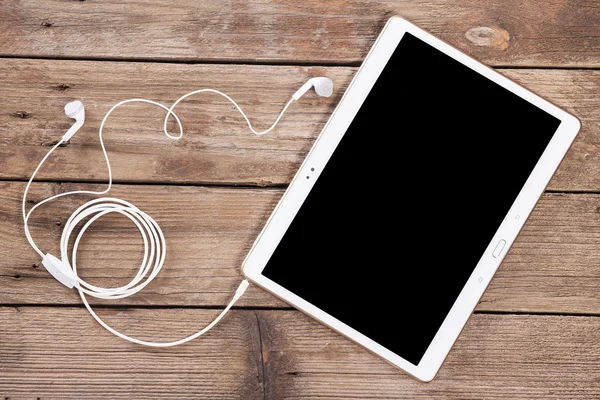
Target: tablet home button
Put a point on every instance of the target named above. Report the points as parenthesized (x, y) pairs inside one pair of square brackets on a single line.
[(499, 247)]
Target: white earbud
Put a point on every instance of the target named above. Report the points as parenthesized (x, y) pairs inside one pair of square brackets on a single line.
[(76, 111), (323, 86)]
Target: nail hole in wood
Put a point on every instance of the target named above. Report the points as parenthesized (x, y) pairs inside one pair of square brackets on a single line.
[(21, 114), (62, 87), (54, 142)]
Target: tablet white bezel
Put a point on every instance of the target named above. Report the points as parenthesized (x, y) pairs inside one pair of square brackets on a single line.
[(324, 147)]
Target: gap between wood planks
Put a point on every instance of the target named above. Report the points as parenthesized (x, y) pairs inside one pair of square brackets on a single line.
[(270, 63), (266, 308), (232, 185), (208, 307)]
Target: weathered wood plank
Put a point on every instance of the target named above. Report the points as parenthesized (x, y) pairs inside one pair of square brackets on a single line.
[(553, 267), (555, 261), (63, 353), (217, 146), (510, 32), (496, 357), (208, 233)]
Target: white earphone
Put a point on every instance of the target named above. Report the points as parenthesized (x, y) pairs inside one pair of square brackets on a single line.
[(76, 111), (323, 86), (65, 268)]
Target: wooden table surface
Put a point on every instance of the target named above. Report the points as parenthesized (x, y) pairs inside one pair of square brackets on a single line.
[(534, 335)]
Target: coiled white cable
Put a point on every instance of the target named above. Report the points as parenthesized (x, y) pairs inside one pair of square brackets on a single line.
[(154, 241)]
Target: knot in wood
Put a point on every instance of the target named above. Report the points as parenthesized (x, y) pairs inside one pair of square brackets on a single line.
[(486, 36)]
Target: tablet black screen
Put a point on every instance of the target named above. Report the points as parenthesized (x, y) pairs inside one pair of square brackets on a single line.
[(409, 201)]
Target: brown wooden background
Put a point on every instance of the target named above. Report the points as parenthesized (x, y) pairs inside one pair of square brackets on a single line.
[(535, 334)]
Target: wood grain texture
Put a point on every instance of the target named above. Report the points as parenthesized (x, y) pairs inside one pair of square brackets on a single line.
[(62, 353), (496, 357), (217, 147), (513, 32), (208, 232), (59, 351), (553, 267)]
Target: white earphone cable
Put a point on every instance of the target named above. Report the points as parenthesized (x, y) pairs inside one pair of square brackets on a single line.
[(154, 241)]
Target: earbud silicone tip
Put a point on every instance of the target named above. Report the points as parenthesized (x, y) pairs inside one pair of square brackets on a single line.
[(324, 87), (73, 108)]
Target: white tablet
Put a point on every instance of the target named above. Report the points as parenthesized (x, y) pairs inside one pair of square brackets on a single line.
[(410, 198)]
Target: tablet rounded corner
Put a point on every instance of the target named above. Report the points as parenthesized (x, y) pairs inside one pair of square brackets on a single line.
[(427, 376), (575, 123), (396, 19), (571, 126), (248, 272), (245, 271)]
